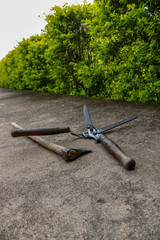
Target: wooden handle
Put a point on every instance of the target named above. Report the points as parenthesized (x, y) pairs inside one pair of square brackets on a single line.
[(38, 131), (68, 154), (117, 152), (49, 145)]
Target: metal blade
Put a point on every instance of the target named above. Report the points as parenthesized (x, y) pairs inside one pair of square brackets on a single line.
[(87, 117), (114, 125), (70, 154)]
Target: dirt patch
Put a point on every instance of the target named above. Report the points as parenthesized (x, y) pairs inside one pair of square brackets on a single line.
[(92, 198)]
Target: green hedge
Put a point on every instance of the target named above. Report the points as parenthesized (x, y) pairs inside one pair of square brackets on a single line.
[(107, 49)]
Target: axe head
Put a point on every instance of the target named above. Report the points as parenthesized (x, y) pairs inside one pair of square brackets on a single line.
[(70, 154)]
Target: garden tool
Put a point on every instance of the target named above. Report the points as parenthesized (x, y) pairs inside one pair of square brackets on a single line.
[(112, 147), (68, 154)]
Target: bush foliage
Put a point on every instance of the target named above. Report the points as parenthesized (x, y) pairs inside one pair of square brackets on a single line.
[(107, 49)]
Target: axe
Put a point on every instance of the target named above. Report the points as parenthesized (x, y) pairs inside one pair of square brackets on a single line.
[(68, 154)]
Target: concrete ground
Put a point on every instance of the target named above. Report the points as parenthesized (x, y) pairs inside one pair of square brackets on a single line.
[(42, 197)]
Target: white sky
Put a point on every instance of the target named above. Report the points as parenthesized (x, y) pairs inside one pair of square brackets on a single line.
[(19, 18)]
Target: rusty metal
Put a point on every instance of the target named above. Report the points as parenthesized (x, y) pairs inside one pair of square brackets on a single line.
[(70, 154)]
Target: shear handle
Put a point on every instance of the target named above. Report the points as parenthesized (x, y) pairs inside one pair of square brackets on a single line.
[(117, 152), (39, 131)]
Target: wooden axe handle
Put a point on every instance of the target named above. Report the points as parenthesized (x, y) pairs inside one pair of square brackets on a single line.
[(117, 152), (39, 131)]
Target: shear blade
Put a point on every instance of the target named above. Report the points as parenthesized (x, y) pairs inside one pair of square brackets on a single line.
[(114, 125), (87, 117)]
